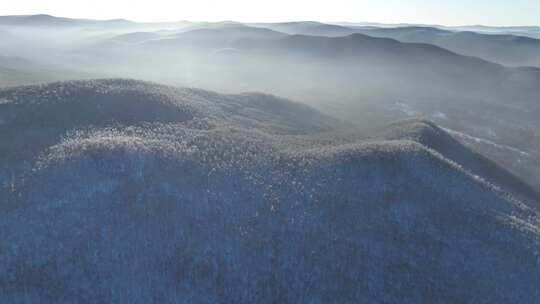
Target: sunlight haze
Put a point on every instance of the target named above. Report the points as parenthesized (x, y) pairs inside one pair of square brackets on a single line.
[(459, 12)]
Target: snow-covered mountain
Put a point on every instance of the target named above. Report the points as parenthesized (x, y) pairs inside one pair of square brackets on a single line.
[(127, 191)]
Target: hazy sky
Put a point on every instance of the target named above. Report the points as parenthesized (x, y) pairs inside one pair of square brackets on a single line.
[(448, 12)]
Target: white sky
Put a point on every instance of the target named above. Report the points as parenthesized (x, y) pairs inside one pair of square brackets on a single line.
[(456, 12)]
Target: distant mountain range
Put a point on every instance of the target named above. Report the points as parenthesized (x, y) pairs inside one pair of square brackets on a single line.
[(505, 45), (48, 20), (503, 48)]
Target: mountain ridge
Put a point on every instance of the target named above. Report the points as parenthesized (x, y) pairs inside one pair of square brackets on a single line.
[(220, 209)]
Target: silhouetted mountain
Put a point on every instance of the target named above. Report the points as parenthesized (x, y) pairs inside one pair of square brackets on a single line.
[(528, 31), (363, 48), (497, 46), (422, 65), (215, 37), (34, 20), (310, 28), (48, 20), (152, 193), (505, 49)]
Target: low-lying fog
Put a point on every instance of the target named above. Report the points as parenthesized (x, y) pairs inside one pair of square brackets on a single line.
[(476, 87)]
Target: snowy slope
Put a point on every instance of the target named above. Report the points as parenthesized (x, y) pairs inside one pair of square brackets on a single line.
[(168, 195)]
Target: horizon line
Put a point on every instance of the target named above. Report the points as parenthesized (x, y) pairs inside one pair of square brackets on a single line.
[(282, 21)]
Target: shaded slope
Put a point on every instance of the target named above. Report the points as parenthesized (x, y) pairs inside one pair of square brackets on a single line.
[(433, 137), (500, 47), (366, 48)]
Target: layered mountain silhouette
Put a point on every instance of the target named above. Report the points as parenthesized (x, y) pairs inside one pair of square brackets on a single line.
[(129, 191), (516, 46), (510, 46), (502, 48)]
